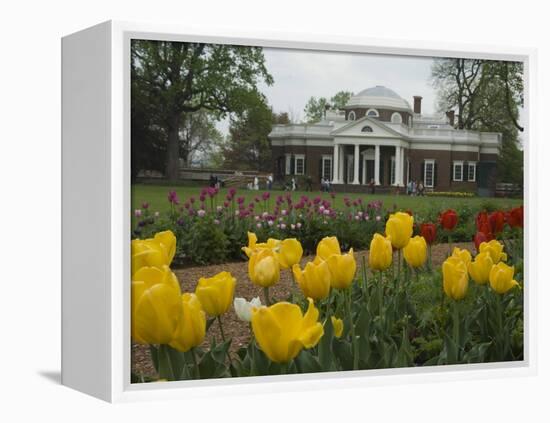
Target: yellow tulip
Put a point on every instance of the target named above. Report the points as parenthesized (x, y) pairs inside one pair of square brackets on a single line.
[(415, 252), (480, 268), (399, 228), (463, 255), (342, 269), (263, 268), (282, 331), (157, 251), (314, 280), (191, 327), (155, 306), (327, 247), (338, 326), (455, 278), (380, 253), (254, 245), (501, 278), (494, 248), (289, 252), (216, 293)]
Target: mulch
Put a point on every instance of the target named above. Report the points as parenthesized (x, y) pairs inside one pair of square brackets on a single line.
[(233, 327)]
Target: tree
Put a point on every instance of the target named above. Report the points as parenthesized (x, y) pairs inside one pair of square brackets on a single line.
[(316, 107), (340, 99), (198, 135), (248, 146), (487, 95), (180, 78)]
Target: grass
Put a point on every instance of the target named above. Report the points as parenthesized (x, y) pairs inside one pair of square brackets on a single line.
[(156, 196)]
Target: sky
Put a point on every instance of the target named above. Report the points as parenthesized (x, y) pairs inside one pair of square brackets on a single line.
[(301, 74)]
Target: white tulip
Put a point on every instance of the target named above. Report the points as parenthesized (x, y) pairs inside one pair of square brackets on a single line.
[(243, 308)]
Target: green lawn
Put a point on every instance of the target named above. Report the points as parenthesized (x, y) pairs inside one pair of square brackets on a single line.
[(156, 196)]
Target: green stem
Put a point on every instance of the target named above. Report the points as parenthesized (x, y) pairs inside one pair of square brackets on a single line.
[(450, 241), (166, 368), (456, 327), (364, 271), (430, 267), (352, 327), (398, 265), (380, 296), (221, 327), (197, 370)]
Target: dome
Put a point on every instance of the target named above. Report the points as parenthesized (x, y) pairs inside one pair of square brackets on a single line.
[(380, 97)]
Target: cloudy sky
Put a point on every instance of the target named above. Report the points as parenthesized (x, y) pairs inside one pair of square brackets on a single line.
[(300, 74)]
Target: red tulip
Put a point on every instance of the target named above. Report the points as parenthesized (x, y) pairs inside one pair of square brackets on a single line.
[(448, 219), (483, 225), (515, 217), (429, 232), (497, 220)]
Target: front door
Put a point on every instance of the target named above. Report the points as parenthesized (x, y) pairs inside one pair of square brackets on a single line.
[(369, 166), (349, 172)]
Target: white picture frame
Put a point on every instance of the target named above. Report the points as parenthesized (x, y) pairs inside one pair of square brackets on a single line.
[(96, 228)]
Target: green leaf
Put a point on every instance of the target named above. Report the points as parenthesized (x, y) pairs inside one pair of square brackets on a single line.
[(307, 363)]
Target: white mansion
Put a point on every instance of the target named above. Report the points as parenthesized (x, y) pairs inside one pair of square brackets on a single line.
[(378, 137)]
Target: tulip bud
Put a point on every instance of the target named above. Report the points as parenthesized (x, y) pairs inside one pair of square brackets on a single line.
[(515, 217), (327, 247), (289, 252), (314, 280), (495, 250), (480, 268), (342, 269), (448, 219), (337, 325), (243, 308), (429, 232), (415, 252), (191, 327), (155, 306), (282, 331), (399, 229), (497, 220), (501, 278), (263, 268), (380, 253), (455, 278), (216, 293)]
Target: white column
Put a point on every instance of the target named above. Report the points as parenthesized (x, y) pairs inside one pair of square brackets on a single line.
[(398, 167), (336, 164), (356, 165), (341, 165), (377, 165)]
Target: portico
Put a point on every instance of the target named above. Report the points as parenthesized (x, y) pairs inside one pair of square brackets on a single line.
[(364, 163)]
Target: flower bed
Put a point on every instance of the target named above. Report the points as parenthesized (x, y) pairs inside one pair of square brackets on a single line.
[(398, 310), (212, 227)]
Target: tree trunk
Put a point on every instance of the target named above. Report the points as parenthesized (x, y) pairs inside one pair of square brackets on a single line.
[(173, 150)]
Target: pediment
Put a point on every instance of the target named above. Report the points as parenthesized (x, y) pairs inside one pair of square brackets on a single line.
[(357, 128)]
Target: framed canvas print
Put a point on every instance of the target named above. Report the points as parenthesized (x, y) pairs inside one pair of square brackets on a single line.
[(259, 212)]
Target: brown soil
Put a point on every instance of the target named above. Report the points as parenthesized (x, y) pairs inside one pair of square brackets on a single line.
[(233, 327)]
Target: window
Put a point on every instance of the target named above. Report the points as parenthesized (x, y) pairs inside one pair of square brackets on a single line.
[(472, 171), (396, 118), (392, 171), (366, 129), (429, 166), (351, 115), (372, 113), (326, 169), (457, 171), (299, 164), (288, 159)]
